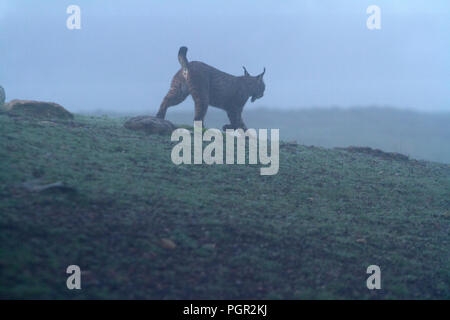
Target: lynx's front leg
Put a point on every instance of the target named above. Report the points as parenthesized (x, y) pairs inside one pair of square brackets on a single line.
[(236, 121), (241, 122)]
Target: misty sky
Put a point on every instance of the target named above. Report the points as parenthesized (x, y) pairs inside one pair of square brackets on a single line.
[(317, 53)]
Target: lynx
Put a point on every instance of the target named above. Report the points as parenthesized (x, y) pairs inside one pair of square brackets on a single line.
[(209, 86)]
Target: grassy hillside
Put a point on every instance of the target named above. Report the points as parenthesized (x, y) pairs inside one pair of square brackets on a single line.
[(308, 232)]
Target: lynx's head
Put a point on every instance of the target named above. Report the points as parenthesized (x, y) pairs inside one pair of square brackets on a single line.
[(257, 85)]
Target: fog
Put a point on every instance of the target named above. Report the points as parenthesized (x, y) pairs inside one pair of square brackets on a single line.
[(316, 54)]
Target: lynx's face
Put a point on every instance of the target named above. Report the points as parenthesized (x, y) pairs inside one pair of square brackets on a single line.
[(258, 86), (259, 90)]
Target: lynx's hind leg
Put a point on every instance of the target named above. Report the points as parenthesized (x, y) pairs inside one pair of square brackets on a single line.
[(201, 101), (201, 107), (178, 92)]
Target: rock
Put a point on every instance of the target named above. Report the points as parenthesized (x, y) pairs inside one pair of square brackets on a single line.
[(2, 96), (168, 244), (38, 109), (149, 124)]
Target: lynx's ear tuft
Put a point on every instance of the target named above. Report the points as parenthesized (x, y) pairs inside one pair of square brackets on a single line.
[(260, 76), (245, 72)]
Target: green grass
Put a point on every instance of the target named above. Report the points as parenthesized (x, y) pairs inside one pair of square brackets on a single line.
[(308, 232)]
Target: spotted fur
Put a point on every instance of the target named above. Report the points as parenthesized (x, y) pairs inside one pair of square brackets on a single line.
[(209, 86)]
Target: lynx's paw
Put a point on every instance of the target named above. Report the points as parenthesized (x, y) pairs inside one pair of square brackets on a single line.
[(227, 126)]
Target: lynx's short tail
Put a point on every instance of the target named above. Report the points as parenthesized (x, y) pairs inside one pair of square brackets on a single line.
[(182, 57)]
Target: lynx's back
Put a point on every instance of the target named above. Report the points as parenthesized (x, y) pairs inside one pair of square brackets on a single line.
[(223, 89)]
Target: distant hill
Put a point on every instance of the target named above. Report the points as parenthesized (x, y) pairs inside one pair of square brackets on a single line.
[(420, 135), (141, 227)]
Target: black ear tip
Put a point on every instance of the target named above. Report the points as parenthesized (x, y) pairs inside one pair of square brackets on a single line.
[(262, 74)]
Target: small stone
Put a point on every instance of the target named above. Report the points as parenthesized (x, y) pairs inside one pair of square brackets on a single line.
[(168, 244), (149, 125)]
